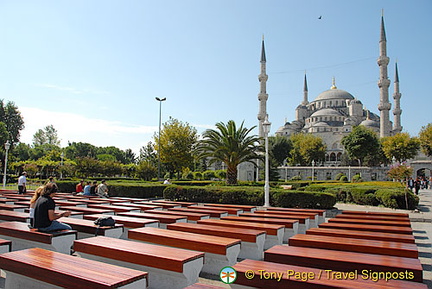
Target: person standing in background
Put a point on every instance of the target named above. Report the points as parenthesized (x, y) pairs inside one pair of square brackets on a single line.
[(22, 181)]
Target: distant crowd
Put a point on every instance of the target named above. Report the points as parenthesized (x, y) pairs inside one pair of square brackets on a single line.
[(419, 183)]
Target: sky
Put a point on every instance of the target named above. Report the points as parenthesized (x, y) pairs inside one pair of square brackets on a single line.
[(92, 69)]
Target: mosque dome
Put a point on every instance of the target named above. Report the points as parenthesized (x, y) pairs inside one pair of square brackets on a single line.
[(326, 112), (334, 93), (370, 123)]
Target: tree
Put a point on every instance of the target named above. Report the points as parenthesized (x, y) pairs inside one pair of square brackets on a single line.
[(361, 143), (231, 146), (306, 148), (400, 146), (176, 144), (48, 135), (425, 137), (146, 170), (11, 117), (280, 148), (400, 172), (77, 150), (148, 153), (129, 157)]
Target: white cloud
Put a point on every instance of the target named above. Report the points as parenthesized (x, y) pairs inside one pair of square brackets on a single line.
[(78, 128)]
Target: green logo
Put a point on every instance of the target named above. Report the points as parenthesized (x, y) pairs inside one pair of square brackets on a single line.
[(228, 275)]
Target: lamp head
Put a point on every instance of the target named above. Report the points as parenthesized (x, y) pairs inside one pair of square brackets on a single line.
[(7, 145), (160, 99)]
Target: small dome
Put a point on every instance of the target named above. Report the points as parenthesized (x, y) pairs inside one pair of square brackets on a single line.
[(321, 124), (370, 123), (334, 94), (326, 112)]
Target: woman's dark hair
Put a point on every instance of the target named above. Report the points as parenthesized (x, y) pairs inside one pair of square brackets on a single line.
[(50, 188)]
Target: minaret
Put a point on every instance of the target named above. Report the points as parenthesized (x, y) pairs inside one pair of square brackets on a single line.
[(305, 92), (397, 111), (383, 84), (262, 96)]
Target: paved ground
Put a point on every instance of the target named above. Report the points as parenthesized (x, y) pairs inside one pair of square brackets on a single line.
[(421, 223)]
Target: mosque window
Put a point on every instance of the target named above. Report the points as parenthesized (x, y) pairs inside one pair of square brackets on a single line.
[(330, 103), (336, 103)]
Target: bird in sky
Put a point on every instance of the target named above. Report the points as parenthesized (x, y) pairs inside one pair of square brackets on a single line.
[(320, 17)]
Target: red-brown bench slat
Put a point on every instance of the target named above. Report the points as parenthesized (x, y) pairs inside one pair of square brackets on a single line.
[(129, 222), (389, 214), (288, 223), (372, 228), (7, 215), (370, 222), (190, 241), (190, 216), (362, 235), (373, 217), (344, 261), (355, 245), (67, 271), (163, 219), (212, 213)]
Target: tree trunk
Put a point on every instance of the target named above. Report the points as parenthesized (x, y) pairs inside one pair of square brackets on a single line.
[(232, 175)]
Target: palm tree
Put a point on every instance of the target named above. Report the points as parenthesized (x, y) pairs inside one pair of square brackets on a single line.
[(230, 145)]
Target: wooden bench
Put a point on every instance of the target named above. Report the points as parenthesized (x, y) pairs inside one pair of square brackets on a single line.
[(183, 204), (116, 209), (245, 208), (213, 213), (23, 237), (87, 228), (274, 232), (386, 214), (302, 220), (344, 261), (8, 216), (164, 220), (305, 278), (313, 217), (39, 268), (321, 213), (127, 222), (372, 228), (163, 205), (252, 241), (5, 246), (168, 268), (373, 217), (87, 211), (230, 210), (362, 235), (7, 201), (219, 251), (143, 208), (16, 208), (370, 222), (191, 217), (291, 226), (355, 245)]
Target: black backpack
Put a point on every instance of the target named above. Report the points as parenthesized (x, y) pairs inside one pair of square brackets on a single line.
[(104, 222)]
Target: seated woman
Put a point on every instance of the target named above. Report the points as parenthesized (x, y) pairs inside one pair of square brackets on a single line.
[(44, 215)]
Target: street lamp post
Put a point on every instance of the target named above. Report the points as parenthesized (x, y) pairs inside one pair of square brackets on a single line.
[(61, 165), (7, 147), (313, 170), (160, 123), (266, 129)]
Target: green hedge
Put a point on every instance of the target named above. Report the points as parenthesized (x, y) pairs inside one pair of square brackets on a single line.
[(397, 199), (301, 199), (133, 190), (225, 195)]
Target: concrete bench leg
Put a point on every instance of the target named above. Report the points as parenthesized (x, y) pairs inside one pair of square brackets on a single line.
[(61, 244), (273, 240), (214, 262), (158, 278), (251, 250), (289, 232)]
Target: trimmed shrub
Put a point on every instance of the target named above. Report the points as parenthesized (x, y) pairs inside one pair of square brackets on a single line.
[(226, 195), (296, 199), (339, 176), (364, 196), (208, 175), (343, 178), (397, 199)]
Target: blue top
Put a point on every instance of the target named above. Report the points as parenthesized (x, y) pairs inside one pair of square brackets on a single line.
[(87, 190)]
